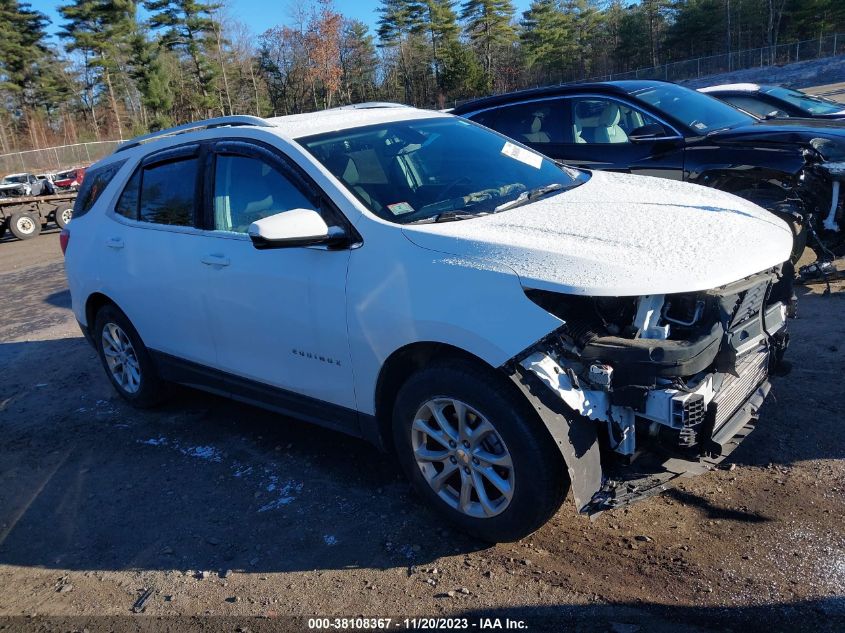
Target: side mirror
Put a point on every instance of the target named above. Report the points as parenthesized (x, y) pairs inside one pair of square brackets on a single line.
[(297, 227), (651, 132)]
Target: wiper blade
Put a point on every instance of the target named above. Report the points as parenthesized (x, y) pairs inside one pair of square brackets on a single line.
[(530, 195), (447, 216)]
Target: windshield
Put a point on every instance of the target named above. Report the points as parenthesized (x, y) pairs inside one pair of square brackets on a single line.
[(699, 112), (65, 175), (807, 103), (15, 180), (437, 169)]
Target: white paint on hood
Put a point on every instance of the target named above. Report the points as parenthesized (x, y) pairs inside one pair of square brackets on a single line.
[(621, 235)]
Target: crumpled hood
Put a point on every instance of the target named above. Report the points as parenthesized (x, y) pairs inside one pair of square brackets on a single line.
[(619, 235)]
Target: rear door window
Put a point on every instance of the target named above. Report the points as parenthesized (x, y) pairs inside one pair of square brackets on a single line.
[(537, 122), (168, 192)]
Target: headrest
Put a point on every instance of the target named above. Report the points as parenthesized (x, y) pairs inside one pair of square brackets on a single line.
[(536, 124), (350, 173), (610, 115)]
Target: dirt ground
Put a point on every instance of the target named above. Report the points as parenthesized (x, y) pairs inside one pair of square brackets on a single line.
[(240, 518)]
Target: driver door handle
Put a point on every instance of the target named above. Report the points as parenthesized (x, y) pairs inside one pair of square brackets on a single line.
[(217, 261), (115, 243)]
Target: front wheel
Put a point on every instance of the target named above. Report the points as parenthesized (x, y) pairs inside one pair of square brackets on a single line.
[(477, 452), (126, 360), (25, 226)]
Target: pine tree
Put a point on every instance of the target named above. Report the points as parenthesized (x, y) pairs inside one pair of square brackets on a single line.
[(547, 39), (489, 27), (463, 76), (189, 28), (398, 20), (153, 81), (358, 62), (97, 28), (437, 22), (23, 53)]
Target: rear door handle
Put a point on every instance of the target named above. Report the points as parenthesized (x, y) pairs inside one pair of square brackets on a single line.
[(215, 260), (114, 242)]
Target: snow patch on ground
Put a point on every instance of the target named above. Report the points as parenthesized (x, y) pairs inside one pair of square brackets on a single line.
[(202, 452), (154, 441), (266, 478), (286, 493)]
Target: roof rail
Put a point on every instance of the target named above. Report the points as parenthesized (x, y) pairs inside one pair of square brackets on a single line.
[(223, 121), (371, 105)]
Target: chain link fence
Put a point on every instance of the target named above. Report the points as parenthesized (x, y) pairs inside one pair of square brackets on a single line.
[(806, 50), (52, 159)]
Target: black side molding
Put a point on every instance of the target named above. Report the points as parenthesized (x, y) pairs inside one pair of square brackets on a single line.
[(260, 394)]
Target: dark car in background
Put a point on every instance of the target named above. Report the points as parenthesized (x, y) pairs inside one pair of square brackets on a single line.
[(777, 102), (789, 167)]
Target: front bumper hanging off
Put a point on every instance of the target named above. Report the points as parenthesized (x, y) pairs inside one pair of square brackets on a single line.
[(620, 447)]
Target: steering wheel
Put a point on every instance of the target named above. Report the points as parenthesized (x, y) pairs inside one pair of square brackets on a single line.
[(452, 185)]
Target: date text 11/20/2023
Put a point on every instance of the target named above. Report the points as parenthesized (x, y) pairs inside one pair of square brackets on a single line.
[(414, 624)]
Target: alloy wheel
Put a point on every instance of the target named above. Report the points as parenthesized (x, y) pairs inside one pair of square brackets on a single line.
[(121, 358), (462, 457)]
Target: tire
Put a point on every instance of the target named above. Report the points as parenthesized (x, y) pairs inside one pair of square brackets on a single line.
[(63, 216), (133, 374), (537, 476), (25, 226)]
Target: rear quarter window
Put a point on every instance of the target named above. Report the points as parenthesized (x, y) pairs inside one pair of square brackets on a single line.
[(93, 186)]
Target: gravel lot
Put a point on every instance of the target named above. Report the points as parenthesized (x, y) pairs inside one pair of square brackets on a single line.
[(213, 508)]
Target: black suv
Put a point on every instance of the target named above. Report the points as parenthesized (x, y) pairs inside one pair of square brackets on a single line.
[(663, 129)]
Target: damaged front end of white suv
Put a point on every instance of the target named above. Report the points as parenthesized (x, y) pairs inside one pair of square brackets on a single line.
[(638, 391)]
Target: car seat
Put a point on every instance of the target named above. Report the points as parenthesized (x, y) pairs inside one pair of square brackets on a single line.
[(345, 168), (608, 130), (537, 135)]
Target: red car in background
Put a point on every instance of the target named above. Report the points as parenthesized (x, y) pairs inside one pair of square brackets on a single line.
[(70, 179)]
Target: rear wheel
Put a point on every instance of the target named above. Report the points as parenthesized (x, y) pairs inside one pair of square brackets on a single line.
[(126, 360), (476, 451), (25, 226), (63, 216)]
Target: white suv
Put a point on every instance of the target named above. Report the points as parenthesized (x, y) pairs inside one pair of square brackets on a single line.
[(510, 327)]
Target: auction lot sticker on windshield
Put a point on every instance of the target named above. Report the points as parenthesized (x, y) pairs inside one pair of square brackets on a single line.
[(400, 208), (522, 155)]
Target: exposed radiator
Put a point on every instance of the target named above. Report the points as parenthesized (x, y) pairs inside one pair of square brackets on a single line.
[(752, 369)]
